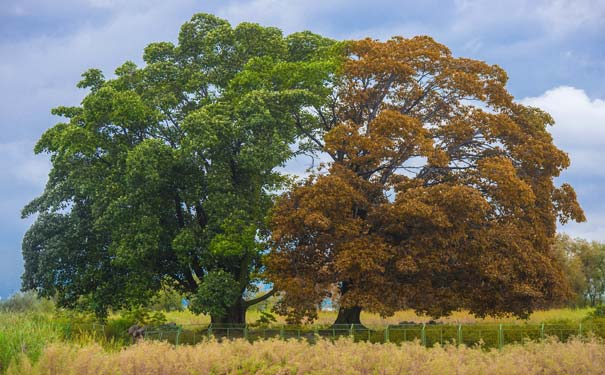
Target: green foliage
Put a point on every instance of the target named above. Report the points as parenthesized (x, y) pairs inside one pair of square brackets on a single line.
[(67, 316), (167, 299), (165, 173), (216, 294), (598, 312), (143, 316), (584, 264), (26, 302), (265, 319)]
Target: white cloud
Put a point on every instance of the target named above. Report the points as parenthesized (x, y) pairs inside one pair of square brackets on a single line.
[(579, 120), (580, 131)]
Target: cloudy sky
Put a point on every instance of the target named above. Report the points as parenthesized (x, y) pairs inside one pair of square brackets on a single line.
[(554, 52)]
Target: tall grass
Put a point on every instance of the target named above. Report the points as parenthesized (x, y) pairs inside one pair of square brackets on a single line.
[(298, 357), (24, 334)]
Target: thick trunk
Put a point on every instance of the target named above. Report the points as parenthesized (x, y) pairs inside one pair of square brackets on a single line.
[(236, 314), (349, 315)]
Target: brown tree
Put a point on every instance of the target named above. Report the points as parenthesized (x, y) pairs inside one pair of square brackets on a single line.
[(439, 194)]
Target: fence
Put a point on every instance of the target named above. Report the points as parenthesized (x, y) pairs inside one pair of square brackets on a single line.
[(485, 335)]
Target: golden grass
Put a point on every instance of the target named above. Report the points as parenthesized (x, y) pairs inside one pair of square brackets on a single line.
[(299, 357), (374, 320)]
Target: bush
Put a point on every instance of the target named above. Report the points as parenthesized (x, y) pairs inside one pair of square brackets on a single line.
[(167, 299), (598, 312), (27, 302)]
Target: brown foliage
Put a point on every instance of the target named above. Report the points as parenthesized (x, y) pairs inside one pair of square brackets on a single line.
[(439, 194)]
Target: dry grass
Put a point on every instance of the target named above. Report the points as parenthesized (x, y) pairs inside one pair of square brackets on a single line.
[(294, 357)]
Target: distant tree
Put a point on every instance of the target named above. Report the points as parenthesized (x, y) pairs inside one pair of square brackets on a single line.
[(565, 251), (584, 265), (164, 174), (438, 193)]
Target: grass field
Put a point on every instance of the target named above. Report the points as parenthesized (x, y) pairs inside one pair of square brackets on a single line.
[(324, 357), (374, 320), (42, 339)]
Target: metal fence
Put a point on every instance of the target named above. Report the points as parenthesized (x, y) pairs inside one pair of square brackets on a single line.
[(484, 335)]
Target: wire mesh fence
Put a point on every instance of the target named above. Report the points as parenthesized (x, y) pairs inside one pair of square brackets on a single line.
[(484, 335)]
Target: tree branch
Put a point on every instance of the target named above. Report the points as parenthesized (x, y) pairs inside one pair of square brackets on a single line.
[(256, 300)]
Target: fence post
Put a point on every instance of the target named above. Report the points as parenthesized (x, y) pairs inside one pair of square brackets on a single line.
[(423, 334), (281, 332), (500, 337), (459, 334), (178, 333), (352, 331), (542, 331), (209, 331), (245, 331), (386, 334), (580, 330)]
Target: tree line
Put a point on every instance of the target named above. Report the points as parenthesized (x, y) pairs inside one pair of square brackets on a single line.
[(584, 264), (435, 192)]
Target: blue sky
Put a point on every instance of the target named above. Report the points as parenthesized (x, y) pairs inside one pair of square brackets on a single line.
[(554, 52)]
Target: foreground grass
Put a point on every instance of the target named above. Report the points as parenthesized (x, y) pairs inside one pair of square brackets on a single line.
[(325, 357), (27, 334), (24, 334)]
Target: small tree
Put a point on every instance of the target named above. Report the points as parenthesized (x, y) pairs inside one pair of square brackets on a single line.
[(438, 194)]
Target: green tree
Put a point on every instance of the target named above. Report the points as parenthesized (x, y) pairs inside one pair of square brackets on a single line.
[(584, 265), (564, 249), (164, 174)]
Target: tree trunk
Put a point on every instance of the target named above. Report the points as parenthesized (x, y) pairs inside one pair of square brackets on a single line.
[(349, 315), (236, 314)]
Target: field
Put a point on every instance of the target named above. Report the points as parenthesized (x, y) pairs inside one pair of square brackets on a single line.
[(47, 343), (373, 320)]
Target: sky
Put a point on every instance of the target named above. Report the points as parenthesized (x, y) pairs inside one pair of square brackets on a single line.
[(553, 51)]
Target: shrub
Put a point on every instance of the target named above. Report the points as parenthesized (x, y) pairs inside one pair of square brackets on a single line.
[(26, 302)]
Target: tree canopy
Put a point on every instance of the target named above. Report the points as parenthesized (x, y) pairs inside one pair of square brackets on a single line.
[(164, 173), (584, 264), (438, 193)]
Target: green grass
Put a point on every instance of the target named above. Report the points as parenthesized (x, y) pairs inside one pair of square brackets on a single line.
[(373, 320), (26, 334)]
